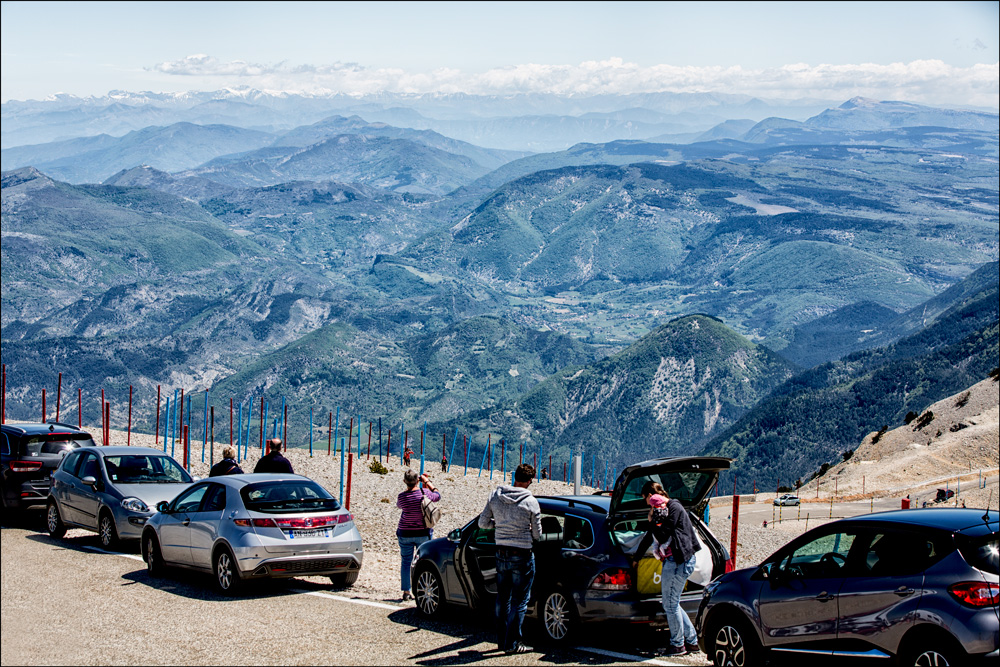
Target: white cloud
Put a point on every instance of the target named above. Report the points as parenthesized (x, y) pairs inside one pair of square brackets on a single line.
[(925, 81)]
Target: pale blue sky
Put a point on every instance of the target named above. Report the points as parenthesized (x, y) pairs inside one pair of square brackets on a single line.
[(944, 52)]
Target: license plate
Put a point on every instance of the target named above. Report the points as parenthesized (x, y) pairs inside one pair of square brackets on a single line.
[(314, 532)]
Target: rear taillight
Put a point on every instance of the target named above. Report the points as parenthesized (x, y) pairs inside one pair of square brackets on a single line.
[(305, 523), (25, 466), (257, 523), (976, 593), (616, 579)]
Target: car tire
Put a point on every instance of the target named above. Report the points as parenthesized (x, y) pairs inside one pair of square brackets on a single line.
[(428, 592), (733, 644), (344, 580), (107, 530), (558, 616), (933, 652), (226, 572), (54, 522), (152, 555)]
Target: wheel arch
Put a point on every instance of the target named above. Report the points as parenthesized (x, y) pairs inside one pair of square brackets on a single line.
[(722, 613), (923, 634)]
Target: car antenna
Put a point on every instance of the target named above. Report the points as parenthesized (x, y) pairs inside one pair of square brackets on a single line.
[(986, 516)]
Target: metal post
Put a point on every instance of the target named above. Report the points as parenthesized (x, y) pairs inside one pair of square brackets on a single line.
[(735, 530), (43, 406), (156, 433), (79, 406), (350, 476), (211, 450), (342, 471), (465, 445), (59, 399), (239, 434), (577, 471), (329, 434), (336, 427), (205, 439), (128, 438), (369, 442), (310, 432)]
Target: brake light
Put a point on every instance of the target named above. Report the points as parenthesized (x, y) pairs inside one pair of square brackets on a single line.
[(25, 466), (976, 593), (313, 521), (616, 579)]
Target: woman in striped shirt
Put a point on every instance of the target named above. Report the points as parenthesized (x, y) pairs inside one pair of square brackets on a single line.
[(412, 531)]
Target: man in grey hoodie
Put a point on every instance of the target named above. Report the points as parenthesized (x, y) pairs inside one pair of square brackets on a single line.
[(515, 514)]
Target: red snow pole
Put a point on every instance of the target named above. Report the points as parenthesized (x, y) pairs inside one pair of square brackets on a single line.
[(350, 468), (230, 421), (3, 407), (185, 436), (261, 422), (103, 426), (284, 430), (369, 441), (43, 406), (156, 434), (107, 423), (735, 530), (350, 433), (329, 435), (58, 396), (79, 407), (128, 438), (181, 420)]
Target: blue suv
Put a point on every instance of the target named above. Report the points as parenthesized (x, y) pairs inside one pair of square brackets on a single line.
[(918, 586)]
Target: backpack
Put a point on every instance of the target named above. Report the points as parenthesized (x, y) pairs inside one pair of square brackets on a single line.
[(431, 512)]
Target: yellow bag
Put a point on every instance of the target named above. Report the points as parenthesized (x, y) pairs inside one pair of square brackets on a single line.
[(649, 573)]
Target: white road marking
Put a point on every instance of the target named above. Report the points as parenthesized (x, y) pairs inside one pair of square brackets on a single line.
[(626, 656), (341, 598), (113, 553)]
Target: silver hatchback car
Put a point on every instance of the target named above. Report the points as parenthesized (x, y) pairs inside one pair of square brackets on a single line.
[(240, 527), (111, 490)]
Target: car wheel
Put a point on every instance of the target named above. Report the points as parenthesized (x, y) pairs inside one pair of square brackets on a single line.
[(428, 592), (54, 522), (151, 554), (930, 653), (344, 580), (558, 616), (107, 531), (734, 644), (227, 572)]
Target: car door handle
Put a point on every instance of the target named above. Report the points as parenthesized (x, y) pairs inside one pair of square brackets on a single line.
[(825, 597), (903, 591)]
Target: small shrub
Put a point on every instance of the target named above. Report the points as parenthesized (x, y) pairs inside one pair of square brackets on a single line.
[(923, 420), (848, 454), (377, 467), (995, 374), (385, 500), (910, 416), (784, 489), (958, 427), (962, 400), (881, 432)]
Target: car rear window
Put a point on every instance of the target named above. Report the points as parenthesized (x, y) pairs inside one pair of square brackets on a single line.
[(55, 443), (686, 486), (141, 469), (981, 552), (286, 496)]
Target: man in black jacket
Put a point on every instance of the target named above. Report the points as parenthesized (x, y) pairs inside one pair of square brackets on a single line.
[(274, 461), (677, 567)]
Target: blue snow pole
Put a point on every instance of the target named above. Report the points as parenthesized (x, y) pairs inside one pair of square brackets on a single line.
[(341, 471), (173, 425), (503, 458), (204, 443), (359, 437), (451, 455), (246, 442), (593, 477), (483, 462), (402, 449), (263, 424), (310, 432), (166, 426)]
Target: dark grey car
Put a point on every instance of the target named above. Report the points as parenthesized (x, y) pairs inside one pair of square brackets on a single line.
[(919, 586)]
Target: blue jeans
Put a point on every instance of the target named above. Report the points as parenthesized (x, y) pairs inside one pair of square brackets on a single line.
[(407, 545), (671, 586), (515, 573)]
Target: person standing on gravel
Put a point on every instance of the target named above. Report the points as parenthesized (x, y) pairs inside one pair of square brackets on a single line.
[(677, 567), (412, 531), (228, 464), (274, 461), (515, 514)]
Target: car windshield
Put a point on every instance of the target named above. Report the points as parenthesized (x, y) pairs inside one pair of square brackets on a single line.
[(286, 496), (145, 469), (55, 443)]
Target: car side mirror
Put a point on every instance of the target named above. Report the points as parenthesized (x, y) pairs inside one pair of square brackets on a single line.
[(162, 506), (772, 572), (455, 535), (89, 480)]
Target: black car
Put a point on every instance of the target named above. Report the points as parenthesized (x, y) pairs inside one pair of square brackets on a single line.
[(28, 455), (583, 567), (916, 586)]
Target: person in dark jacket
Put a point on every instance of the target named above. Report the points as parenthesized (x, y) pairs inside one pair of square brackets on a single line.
[(228, 464), (274, 461), (677, 567)]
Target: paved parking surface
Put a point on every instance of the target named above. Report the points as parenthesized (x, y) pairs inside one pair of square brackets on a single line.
[(69, 602)]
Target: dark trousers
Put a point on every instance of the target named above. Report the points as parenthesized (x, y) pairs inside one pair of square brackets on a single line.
[(515, 573)]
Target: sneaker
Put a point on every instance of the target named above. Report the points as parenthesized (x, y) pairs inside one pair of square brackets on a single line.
[(675, 651), (519, 648), (691, 648)]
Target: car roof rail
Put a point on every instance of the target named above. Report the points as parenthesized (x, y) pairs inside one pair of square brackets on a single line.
[(574, 501)]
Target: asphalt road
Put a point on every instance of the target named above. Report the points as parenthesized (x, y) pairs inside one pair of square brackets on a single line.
[(69, 602)]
